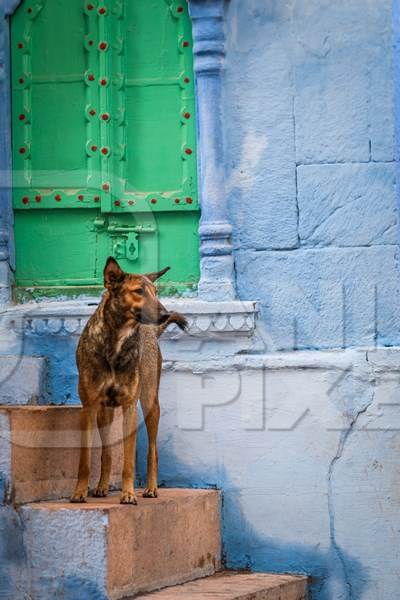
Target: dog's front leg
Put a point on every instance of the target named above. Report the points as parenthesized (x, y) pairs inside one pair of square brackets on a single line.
[(105, 418), (128, 472), (151, 411), (87, 419)]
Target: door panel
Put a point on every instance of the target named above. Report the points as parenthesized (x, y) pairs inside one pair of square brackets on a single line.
[(149, 54), (104, 144), (56, 32), (43, 252), (58, 151), (154, 158)]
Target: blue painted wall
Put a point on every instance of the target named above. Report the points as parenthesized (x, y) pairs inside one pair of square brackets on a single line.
[(310, 127), (305, 447)]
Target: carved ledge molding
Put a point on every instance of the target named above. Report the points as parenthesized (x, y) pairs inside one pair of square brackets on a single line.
[(225, 319)]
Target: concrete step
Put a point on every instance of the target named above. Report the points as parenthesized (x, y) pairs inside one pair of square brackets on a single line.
[(120, 550), (22, 379), (237, 586), (39, 452)]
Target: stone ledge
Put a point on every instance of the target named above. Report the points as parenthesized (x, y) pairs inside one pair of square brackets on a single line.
[(377, 359), (307, 359), (237, 586), (227, 319), (384, 359)]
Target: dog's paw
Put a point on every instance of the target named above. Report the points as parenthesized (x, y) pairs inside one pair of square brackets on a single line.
[(128, 498), (78, 497), (150, 493), (101, 491)]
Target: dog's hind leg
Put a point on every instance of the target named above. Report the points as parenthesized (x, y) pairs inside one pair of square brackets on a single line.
[(88, 415), (105, 418), (128, 472), (151, 412)]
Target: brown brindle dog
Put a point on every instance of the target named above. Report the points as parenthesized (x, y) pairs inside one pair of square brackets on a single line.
[(119, 361)]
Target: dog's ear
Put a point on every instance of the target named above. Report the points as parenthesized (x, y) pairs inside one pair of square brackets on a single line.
[(156, 275), (113, 274)]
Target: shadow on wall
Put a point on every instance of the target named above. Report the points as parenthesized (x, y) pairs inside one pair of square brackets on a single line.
[(334, 576), (12, 555), (75, 588), (14, 574)]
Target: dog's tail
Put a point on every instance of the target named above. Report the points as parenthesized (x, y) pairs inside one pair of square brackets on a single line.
[(174, 317)]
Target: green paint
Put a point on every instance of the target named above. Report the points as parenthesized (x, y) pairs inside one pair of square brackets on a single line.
[(87, 186)]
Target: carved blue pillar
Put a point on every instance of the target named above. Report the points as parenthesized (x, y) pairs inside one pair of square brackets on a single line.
[(6, 220), (217, 271)]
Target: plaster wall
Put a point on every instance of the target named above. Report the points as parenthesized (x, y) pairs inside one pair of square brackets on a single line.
[(303, 446), (310, 169)]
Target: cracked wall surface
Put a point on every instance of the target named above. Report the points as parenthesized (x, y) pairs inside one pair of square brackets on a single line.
[(310, 138), (306, 457)]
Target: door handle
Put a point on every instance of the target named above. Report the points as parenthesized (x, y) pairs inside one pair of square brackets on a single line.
[(114, 228)]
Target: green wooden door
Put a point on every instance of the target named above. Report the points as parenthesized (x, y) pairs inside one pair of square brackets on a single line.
[(104, 141)]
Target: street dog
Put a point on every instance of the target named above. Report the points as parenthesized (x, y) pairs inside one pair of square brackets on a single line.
[(119, 362)]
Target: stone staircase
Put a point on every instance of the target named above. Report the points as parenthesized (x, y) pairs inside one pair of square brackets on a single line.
[(42, 446), (165, 548)]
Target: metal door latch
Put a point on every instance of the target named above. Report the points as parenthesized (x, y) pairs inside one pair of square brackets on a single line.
[(126, 239)]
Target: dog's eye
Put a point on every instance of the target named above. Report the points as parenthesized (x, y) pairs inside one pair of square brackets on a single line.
[(139, 292)]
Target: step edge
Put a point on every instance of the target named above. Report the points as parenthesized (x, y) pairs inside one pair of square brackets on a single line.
[(164, 586), (295, 580), (39, 408), (63, 504)]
